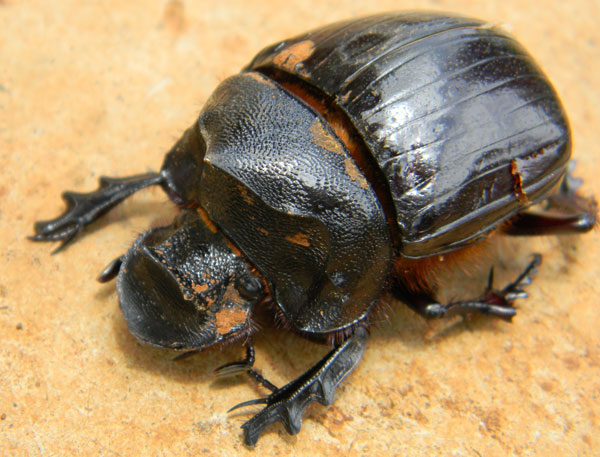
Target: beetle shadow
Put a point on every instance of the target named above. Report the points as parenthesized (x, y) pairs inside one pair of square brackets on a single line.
[(161, 361), (508, 256), (417, 333), (282, 355), (570, 248), (508, 262)]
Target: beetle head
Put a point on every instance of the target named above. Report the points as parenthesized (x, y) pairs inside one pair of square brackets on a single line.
[(184, 286)]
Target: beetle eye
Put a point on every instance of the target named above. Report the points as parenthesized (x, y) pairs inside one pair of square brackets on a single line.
[(248, 286)]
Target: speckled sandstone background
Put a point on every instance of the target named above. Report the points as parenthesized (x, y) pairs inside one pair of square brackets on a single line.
[(104, 88)]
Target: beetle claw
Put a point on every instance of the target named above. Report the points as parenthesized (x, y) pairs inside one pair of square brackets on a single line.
[(504, 311), (516, 295), (245, 366), (500, 302), (84, 208), (230, 369), (287, 404), (256, 401), (493, 302), (524, 279)]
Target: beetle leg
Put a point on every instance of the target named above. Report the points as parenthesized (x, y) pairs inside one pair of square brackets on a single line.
[(83, 209), (287, 404), (245, 366), (498, 303), (563, 213)]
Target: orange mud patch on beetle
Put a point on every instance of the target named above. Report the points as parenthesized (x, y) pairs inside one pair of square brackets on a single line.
[(290, 56), (258, 77), (322, 138), (299, 238), (245, 194), (234, 249), (214, 229), (333, 116), (518, 182), (200, 288), (228, 318), (355, 174), (204, 216)]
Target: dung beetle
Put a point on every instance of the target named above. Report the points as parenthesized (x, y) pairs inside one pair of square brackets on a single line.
[(355, 160)]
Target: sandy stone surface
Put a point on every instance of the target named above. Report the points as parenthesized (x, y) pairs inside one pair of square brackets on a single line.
[(104, 88)]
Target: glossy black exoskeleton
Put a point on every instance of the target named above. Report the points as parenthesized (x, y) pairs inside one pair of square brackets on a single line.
[(337, 166)]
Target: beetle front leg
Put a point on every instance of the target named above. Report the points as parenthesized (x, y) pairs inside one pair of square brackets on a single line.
[(83, 209), (498, 303), (287, 404)]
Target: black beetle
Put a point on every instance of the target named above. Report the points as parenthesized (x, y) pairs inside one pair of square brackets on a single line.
[(336, 166)]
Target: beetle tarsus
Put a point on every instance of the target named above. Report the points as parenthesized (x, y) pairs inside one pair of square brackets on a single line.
[(288, 403), (514, 290), (261, 379), (85, 208), (500, 303), (438, 311), (497, 303), (234, 368), (245, 366), (242, 366)]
